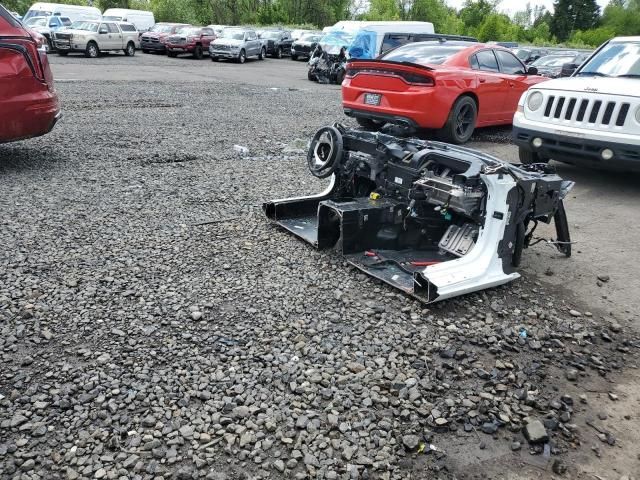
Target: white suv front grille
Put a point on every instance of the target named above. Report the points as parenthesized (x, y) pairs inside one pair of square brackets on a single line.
[(592, 111)]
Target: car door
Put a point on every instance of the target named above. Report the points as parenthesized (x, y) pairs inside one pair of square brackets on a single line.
[(514, 72), (286, 43), (207, 37), (491, 86), (115, 36), (252, 43)]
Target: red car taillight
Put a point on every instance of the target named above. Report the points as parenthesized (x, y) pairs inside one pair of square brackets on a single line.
[(411, 78), (33, 49)]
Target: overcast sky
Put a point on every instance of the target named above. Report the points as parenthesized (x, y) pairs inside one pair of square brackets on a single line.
[(511, 6)]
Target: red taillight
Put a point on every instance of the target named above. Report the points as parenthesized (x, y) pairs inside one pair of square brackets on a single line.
[(411, 78), (34, 49)]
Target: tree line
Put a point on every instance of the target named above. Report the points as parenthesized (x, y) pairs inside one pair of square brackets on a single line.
[(575, 23)]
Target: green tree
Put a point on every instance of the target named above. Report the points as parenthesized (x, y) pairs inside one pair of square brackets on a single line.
[(572, 15)]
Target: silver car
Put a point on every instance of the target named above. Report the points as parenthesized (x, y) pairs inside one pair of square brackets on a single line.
[(237, 44)]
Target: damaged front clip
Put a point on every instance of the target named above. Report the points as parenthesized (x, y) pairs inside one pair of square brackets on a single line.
[(432, 219)]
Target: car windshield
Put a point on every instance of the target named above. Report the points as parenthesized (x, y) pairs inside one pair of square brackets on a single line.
[(614, 60), (424, 53), (310, 37), (36, 22), (161, 28), (112, 18), (270, 35), (189, 31), (89, 26), (37, 13), (332, 42), (521, 53), (553, 61), (233, 34)]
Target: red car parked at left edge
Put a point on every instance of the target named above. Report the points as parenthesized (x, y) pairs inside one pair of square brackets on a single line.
[(29, 104), (448, 86)]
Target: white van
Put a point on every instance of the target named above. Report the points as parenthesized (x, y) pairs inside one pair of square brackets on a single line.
[(142, 19), (73, 12)]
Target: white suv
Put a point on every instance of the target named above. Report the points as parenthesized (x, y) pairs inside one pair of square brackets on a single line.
[(590, 118)]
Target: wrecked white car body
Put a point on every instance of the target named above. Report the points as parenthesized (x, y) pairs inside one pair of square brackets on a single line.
[(432, 219)]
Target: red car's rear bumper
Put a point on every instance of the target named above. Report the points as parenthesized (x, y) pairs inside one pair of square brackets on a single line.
[(29, 115), (417, 106)]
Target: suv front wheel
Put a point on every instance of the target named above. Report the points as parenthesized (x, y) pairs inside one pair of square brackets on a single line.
[(242, 57)]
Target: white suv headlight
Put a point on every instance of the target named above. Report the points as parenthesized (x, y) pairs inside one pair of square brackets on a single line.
[(534, 102)]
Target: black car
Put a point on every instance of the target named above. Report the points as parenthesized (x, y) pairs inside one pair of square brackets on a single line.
[(530, 55), (277, 42), (305, 45), (560, 64)]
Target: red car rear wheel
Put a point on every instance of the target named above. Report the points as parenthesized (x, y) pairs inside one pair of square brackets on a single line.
[(461, 122)]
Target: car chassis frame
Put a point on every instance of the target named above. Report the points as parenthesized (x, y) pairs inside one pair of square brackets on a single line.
[(432, 219)]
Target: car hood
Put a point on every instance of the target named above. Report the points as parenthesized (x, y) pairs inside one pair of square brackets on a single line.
[(41, 29), (154, 35), (606, 85), (227, 41), (77, 32), (303, 43)]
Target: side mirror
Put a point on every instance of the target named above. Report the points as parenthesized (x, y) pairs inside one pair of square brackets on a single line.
[(568, 69), (532, 71), (103, 31)]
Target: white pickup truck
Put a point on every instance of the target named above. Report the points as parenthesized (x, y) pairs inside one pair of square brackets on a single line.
[(591, 118), (92, 37)]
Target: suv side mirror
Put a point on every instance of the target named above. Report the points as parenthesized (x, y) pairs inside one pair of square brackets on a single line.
[(568, 69), (103, 31), (532, 71)]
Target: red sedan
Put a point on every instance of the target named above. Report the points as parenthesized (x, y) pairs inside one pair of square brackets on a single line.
[(449, 86), (29, 104)]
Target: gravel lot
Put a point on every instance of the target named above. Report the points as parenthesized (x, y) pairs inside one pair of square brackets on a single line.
[(154, 325)]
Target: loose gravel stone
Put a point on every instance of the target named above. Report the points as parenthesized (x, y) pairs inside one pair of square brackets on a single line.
[(154, 324)]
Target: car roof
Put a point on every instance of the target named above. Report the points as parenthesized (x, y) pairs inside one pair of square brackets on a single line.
[(625, 39)]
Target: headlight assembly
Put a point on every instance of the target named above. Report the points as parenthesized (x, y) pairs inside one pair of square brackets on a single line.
[(534, 102)]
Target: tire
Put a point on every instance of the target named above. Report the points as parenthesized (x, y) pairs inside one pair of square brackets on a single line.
[(214, 59), (63, 54), (369, 124), (311, 76), (242, 57), (130, 51), (461, 122), (92, 50), (172, 54), (263, 54), (279, 52), (339, 77), (145, 51), (527, 157), (294, 57), (198, 53)]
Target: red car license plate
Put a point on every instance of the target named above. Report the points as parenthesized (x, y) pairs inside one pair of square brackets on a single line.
[(372, 98)]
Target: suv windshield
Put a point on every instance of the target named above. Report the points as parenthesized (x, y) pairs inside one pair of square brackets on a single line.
[(424, 53), (614, 60), (89, 26), (270, 35), (111, 18), (233, 34), (310, 37), (36, 22)]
